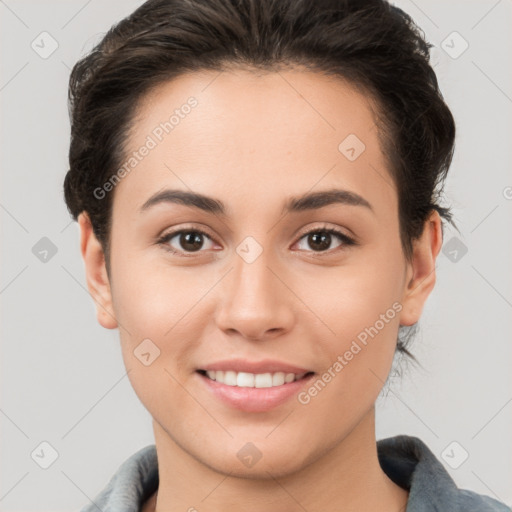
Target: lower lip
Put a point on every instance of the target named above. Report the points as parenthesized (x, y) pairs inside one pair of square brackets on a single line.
[(255, 399)]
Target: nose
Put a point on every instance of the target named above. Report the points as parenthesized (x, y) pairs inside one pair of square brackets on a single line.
[(255, 301)]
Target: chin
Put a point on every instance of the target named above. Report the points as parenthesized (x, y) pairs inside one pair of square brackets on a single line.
[(260, 471), (259, 459)]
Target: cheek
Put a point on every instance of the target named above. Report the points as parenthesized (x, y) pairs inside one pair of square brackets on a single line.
[(161, 316), (360, 305), (352, 297), (156, 336), (358, 356), (149, 297)]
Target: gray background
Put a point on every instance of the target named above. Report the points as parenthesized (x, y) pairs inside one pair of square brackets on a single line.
[(62, 375)]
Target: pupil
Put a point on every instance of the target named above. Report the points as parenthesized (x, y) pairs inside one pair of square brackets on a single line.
[(191, 241), (323, 239)]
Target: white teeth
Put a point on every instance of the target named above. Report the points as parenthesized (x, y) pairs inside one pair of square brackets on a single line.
[(245, 380), (263, 380), (251, 380), (230, 378), (278, 379), (289, 377)]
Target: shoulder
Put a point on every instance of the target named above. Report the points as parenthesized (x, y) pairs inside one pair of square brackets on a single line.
[(410, 463), (130, 486)]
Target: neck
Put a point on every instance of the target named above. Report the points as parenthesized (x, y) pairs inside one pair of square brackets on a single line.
[(347, 478)]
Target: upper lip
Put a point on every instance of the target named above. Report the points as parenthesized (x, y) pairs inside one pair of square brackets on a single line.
[(265, 366)]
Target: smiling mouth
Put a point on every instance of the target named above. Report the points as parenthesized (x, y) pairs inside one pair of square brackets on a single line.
[(253, 380)]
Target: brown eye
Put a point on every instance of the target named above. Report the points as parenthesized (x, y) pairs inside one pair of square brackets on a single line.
[(319, 240), (191, 240), (184, 241)]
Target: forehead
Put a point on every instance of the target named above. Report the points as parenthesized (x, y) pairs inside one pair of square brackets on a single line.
[(254, 134)]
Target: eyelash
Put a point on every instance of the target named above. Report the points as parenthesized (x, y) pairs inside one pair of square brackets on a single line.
[(346, 240)]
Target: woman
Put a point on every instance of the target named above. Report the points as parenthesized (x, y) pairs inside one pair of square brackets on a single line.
[(257, 185)]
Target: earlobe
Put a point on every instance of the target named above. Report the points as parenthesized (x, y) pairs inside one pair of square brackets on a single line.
[(421, 273), (96, 274)]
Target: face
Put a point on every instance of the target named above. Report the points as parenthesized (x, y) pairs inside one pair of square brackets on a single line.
[(268, 274)]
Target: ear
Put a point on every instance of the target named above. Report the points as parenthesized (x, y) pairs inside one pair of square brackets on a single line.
[(96, 273), (421, 273)]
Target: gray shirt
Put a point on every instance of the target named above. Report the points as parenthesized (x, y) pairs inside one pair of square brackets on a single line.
[(405, 459)]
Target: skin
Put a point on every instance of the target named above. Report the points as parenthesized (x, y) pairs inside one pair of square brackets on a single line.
[(253, 141)]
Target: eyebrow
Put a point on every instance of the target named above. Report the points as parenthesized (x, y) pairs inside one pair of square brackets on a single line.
[(308, 201)]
